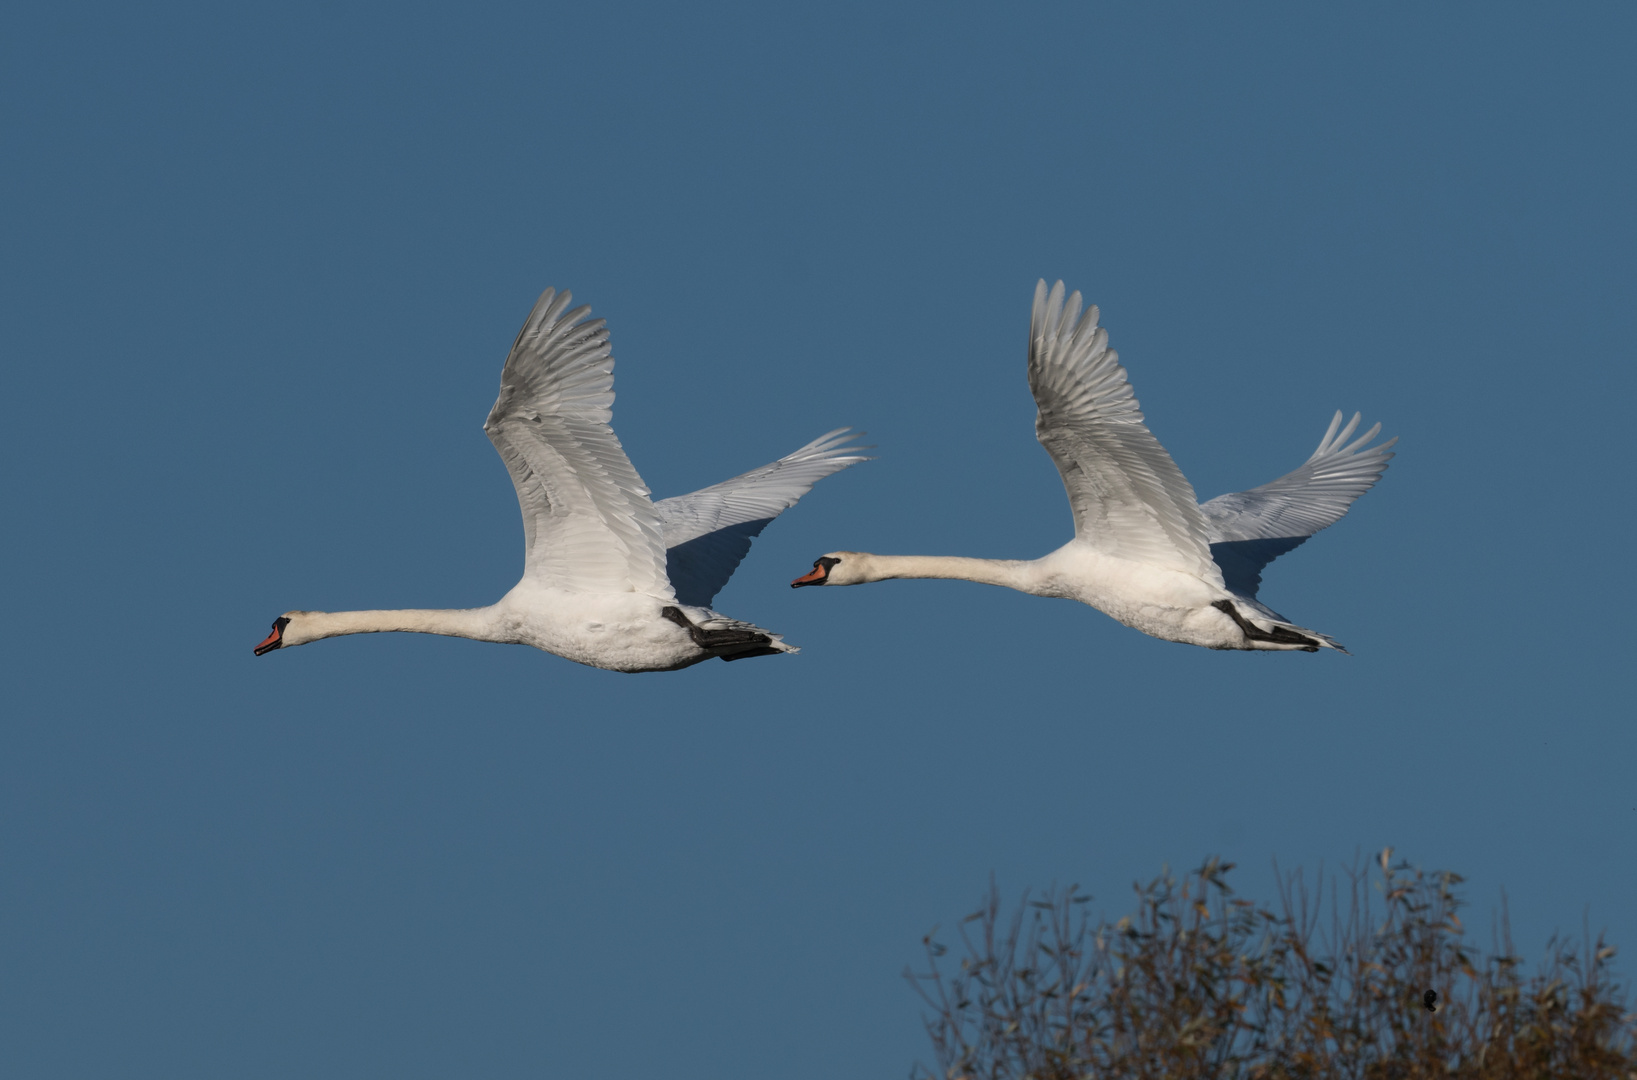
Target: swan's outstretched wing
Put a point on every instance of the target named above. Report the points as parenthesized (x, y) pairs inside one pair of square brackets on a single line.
[(1129, 498), (709, 532), (587, 520), (1249, 529)]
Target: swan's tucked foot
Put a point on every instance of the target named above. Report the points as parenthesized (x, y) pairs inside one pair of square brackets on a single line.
[(730, 644), (1279, 635), (766, 650)]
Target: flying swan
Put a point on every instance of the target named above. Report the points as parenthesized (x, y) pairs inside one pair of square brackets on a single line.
[(1144, 551), (611, 579)]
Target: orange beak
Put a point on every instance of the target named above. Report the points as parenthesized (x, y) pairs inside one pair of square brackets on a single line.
[(275, 639), (815, 576)]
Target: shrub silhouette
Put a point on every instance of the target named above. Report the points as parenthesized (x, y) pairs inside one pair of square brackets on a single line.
[(1199, 983)]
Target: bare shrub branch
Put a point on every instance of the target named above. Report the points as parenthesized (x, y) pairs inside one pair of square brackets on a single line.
[(1201, 984)]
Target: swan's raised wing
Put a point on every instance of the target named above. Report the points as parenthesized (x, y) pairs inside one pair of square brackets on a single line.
[(587, 520), (1129, 498), (709, 532), (1249, 529)]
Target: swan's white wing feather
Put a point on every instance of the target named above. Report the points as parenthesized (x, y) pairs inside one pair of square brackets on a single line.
[(709, 531), (1249, 529), (1129, 498), (1308, 499), (588, 523)]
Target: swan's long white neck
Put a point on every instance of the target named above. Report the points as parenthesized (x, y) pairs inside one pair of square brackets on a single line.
[(1008, 573), (479, 624)]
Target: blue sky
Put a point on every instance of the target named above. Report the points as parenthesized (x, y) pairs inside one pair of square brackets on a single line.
[(261, 267)]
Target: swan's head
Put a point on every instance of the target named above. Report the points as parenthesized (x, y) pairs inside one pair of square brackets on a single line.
[(287, 630), (836, 568)]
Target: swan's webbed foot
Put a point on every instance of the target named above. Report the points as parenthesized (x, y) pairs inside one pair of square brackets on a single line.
[(727, 644), (763, 651), (1279, 635)]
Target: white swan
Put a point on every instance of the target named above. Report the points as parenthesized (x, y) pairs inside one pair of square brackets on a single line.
[(610, 578), (1144, 551)]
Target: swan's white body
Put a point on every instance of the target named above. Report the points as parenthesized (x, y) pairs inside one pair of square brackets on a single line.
[(611, 579), (1145, 552)]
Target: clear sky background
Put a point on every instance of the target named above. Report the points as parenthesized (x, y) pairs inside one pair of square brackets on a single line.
[(262, 264)]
